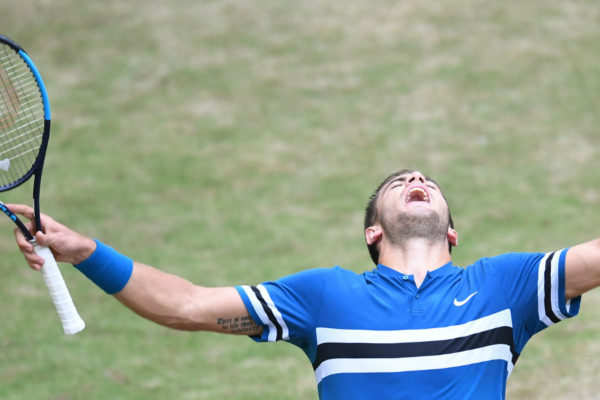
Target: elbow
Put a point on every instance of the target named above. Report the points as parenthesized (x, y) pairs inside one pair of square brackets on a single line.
[(185, 312)]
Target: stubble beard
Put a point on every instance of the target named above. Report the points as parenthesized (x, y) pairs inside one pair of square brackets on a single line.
[(404, 227)]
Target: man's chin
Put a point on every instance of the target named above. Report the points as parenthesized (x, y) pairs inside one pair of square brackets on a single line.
[(419, 223)]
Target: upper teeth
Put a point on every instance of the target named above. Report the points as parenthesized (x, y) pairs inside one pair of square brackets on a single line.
[(423, 192)]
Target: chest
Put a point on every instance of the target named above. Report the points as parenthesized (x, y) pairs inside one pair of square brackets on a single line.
[(399, 304)]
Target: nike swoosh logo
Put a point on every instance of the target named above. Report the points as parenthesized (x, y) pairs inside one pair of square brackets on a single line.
[(463, 302)]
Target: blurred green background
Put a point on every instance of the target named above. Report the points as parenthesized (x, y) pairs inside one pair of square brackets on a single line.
[(233, 142)]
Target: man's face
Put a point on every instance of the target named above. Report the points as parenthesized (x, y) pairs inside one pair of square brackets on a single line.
[(412, 206)]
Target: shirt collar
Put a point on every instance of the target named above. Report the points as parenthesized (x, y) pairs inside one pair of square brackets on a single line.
[(446, 269)]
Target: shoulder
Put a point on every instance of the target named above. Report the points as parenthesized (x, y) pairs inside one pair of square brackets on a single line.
[(325, 273), (507, 260), (318, 277), (509, 268)]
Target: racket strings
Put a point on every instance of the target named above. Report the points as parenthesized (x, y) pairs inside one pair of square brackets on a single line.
[(21, 117)]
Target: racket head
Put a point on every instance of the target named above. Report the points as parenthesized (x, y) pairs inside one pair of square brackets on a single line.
[(24, 116)]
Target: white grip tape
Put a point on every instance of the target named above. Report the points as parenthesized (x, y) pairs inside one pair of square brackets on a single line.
[(70, 319)]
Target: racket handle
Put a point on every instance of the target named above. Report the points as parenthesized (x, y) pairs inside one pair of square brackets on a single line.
[(70, 319)]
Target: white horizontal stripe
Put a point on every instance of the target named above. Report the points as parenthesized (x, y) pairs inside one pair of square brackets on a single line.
[(382, 365), (265, 294), (499, 319), (256, 304)]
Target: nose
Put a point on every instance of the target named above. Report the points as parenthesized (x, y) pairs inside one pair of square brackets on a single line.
[(416, 176)]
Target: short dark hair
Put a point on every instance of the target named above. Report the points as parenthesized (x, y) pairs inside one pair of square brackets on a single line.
[(371, 216)]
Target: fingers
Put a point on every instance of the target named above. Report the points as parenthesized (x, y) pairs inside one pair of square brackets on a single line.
[(21, 209), (29, 213), (36, 262), (22, 241), (45, 240)]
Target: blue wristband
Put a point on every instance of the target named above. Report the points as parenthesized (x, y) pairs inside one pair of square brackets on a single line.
[(107, 268)]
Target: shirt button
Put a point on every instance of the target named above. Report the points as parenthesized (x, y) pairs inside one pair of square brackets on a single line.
[(417, 295), (405, 277)]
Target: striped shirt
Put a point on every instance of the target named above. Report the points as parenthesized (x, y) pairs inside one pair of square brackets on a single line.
[(376, 335)]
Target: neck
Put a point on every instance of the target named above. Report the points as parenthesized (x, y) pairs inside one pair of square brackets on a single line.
[(415, 257)]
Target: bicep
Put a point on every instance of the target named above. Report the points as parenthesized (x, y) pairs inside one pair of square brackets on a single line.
[(582, 268), (222, 310)]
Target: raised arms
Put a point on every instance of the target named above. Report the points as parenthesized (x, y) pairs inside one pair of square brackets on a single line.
[(161, 297)]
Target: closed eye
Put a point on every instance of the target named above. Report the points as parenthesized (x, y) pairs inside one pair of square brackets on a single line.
[(397, 184)]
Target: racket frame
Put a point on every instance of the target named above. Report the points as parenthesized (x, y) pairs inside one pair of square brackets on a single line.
[(38, 164), (70, 319)]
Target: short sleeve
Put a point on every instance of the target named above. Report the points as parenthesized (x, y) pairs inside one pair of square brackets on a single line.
[(533, 285), (287, 308)]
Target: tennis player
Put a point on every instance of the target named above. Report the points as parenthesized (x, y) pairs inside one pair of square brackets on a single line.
[(414, 327)]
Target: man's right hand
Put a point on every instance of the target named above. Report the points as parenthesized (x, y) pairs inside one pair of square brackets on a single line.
[(66, 245)]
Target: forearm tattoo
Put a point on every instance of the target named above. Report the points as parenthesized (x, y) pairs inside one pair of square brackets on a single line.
[(239, 326)]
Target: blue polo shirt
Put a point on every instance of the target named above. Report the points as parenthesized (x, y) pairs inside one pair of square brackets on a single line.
[(376, 335)]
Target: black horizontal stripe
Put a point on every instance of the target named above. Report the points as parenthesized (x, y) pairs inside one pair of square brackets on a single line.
[(269, 312), (328, 351)]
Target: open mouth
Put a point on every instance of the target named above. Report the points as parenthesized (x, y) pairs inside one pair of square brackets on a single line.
[(417, 194)]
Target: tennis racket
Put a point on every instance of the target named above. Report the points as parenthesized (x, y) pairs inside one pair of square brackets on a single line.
[(24, 133)]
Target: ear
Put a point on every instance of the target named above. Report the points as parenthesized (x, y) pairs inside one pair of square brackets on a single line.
[(373, 234), (452, 236)]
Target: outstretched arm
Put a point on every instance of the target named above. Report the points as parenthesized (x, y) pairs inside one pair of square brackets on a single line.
[(582, 268), (161, 297), (177, 303)]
